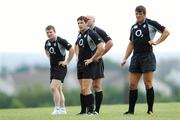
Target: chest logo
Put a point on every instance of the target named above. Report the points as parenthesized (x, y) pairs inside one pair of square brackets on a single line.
[(139, 33), (51, 50), (81, 42)]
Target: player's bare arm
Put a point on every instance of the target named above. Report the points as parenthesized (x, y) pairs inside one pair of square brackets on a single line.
[(129, 50), (70, 56), (47, 53), (108, 46), (98, 52), (163, 36), (76, 49)]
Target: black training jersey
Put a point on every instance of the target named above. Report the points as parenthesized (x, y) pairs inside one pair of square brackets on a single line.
[(102, 34), (141, 34), (57, 50), (87, 43)]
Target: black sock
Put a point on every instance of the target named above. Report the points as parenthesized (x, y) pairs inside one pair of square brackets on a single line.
[(83, 105), (98, 99), (150, 98), (89, 102), (133, 95)]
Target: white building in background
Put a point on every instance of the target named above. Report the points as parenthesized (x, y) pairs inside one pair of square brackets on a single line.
[(7, 85), (174, 76)]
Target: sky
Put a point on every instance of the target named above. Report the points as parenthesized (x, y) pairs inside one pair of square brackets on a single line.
[(23, 22)]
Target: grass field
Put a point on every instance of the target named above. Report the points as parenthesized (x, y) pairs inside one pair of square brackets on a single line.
[(162, 111)]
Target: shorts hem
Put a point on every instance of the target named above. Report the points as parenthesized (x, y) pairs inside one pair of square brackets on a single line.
[(144, 71), (62, 80), (100, 77)]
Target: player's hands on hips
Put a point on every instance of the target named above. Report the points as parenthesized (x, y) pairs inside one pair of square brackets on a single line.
[(122, 63), (152, 42), (88, 61), (97, 59), (63, 63)]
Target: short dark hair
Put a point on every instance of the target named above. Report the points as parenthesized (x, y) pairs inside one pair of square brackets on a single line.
[(140, 8), (85, 19), (50, 27)]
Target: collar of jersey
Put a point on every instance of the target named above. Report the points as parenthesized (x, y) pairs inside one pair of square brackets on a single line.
[(141, 23), (84, 31), (54, 40)]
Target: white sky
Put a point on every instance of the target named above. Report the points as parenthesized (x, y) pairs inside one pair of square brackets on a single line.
[(23, 22)]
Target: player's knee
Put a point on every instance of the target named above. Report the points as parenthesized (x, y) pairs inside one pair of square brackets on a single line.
[(86, 91), (148, 84), (97, 87), (54, 88), (83, 91), (133, 86)]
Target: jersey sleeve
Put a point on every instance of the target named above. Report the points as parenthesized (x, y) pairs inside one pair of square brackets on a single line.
[(95, 37), (103, 35), (131, 34), (45, 46), (156, 25), (65, 44), (77, 39), (76, 42)]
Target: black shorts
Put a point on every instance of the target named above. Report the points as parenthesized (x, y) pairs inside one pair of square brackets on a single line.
[(58, 72), (99, 71), (85, 72), (142, 63)]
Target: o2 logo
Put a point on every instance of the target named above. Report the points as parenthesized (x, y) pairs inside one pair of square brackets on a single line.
[(139, 33), (51, 50), (81, 42)]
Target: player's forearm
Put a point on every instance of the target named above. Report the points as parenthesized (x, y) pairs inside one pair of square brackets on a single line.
[(99, 51), (70, 56), (76, 49), (164, 35), (47, 54), (129, 50), (108, 46)]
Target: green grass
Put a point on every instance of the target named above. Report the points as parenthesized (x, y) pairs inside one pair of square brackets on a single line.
[(162, 111)]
